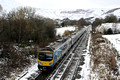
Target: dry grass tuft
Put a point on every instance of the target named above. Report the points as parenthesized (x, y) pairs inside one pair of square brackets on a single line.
[(95, 36)]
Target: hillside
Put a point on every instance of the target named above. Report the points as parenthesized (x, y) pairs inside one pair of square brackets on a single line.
[(65, 13), (78, 13)]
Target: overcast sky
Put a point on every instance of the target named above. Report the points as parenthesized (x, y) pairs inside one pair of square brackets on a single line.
[(70, 4), (61, 4)]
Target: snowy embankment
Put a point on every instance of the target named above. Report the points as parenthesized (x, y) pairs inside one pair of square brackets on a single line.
[(103, 62), (115, 41)]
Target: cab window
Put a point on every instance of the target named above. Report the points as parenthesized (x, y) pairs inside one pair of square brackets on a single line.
[(45, 56)]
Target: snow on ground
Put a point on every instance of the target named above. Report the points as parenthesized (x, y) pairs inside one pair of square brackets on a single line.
[(86, 67), (26, 74), (60, 31), (115, 40)]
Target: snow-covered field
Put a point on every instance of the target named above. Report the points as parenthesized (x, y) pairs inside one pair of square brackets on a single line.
[(115, 40)]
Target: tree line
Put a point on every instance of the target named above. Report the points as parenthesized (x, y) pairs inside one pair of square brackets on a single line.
[(80, 23), (23, 24)]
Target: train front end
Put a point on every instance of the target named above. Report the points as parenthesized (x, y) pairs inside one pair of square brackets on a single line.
[(45, 59)]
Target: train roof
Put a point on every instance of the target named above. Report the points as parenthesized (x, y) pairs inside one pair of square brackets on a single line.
[(58, 43), (55, 45), (47, 49)]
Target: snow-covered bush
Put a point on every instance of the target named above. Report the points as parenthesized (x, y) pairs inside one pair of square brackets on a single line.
[(103, 28)]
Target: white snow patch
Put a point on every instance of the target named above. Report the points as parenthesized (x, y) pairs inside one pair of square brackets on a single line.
[(115, 40), (60, 31), (85, 68)]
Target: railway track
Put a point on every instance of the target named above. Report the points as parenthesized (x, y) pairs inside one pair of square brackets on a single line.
[(68, 66), (77, 58)]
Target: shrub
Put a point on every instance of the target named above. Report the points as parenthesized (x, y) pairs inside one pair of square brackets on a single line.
[(66, 33)]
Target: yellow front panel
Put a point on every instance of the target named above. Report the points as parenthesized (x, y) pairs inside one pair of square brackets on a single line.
[(45, 63)]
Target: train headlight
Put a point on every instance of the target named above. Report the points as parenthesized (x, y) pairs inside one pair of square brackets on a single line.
[(40, 63), (50, 63)]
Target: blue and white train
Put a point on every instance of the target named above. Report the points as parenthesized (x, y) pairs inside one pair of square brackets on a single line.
[(49, 56)]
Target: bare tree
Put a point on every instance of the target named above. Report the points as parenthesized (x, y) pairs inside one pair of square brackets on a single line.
[(1, 8), (82, 23)]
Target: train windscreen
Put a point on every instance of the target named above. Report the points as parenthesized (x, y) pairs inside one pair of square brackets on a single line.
[(45, 56)]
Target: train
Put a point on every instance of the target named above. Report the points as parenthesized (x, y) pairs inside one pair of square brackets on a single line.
[(49, 56)]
